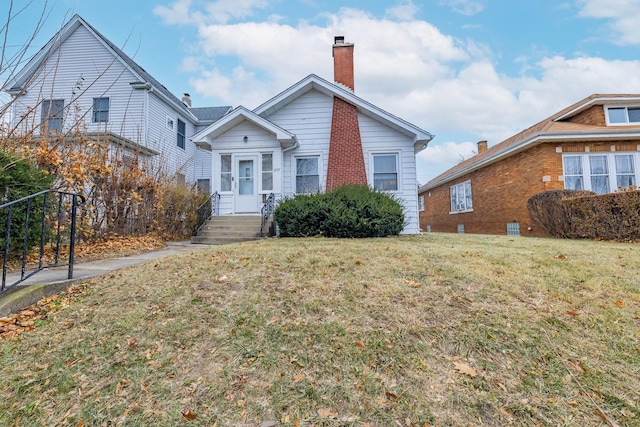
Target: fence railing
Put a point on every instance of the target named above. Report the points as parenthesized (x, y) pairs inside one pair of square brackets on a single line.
[(267, 211), (210, 207), (41, 219)]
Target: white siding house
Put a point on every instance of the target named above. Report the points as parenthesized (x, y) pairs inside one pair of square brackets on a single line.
[(112, 98)]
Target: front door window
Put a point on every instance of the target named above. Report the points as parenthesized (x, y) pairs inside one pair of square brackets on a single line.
[(245, 177)]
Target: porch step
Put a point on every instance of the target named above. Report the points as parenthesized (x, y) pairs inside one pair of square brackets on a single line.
[(224, 229)]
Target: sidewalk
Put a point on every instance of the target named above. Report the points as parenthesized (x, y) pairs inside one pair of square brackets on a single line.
[(53, 280)]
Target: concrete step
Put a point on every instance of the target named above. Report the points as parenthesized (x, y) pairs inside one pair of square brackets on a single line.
[(224, 229)]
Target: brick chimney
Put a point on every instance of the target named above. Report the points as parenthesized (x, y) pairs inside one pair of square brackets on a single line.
[(346, 161), (343, 62), (186, 99), (482, 146)]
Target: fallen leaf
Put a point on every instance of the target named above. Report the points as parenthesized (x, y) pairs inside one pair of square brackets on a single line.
[(573, 313), (463, 368), (297, 378), (222, 278), (327, 413), (360, 345), (620, 303), (412, 283), (572, 403), (391, 395), (296, 422), (268, 424), (188, 414), (560, 257), (358, 262)]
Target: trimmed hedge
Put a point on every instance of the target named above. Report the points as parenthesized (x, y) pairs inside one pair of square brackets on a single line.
[(548, 212), (348, 211), (586, 215)]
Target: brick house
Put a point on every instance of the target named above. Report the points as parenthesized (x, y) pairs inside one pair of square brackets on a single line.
[(314, 136), (593, 144)]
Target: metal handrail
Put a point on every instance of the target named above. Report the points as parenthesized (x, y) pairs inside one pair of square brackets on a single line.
[(207, 209), (29, 201), (267, 211)]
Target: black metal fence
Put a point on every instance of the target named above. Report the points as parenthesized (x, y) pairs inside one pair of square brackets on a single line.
[(42, 220), (210, 207)]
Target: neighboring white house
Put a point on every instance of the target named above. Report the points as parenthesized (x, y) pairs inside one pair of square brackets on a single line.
[(315, 135), (80, 76)]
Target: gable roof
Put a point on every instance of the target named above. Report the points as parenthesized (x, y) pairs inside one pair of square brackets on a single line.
[(237, 116), (16, 84), (420, 137), (553, 128)]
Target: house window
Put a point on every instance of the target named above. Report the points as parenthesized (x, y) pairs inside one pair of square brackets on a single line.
[(605, 172), (169, 123), (52, 114), (461, 197), (623, 115), (267, 172), (204, 186), (385, 172), (182, 130), (225, 172), (307, 175), (625, 171), (100, 110), (421, 203)]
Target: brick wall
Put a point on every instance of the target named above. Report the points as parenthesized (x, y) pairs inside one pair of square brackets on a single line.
[(346, 161), (591, 116)]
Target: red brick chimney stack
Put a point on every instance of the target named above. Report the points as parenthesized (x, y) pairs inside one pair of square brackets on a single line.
[(346, 161), (343, 62)]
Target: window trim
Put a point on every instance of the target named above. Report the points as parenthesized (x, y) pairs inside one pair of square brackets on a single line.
[(230, 172), (58, 117), (181, 140), (396, 154), (170, 123), (262, 172), (294, 171), (626, 113), (95, 112), (462, 185), (421, 203)]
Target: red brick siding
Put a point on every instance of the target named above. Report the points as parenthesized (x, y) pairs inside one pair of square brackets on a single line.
[(591, 116), (346, 161)]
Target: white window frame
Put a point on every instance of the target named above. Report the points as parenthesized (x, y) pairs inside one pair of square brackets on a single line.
[(626, 114), (96, 115), (51, 115), (170, 123), (611, 165), (421, 203), (294, 170), (263, 172), (229, 172), (372, 163), (456, 206)]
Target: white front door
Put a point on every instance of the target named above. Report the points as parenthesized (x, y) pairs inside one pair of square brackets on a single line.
[(246, 190)]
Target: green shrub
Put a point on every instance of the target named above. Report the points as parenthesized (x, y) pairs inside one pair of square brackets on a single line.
[(348, 211), (18, 179)]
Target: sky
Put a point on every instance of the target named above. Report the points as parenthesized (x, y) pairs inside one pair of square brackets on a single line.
[(463, 70)]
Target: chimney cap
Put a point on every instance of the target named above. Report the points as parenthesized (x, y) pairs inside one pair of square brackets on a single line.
[(338, 40)]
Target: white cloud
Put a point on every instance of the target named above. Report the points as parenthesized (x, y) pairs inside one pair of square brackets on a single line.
[(184, 12), (406, 10), (623, 15), (464, 7), (437, 158)]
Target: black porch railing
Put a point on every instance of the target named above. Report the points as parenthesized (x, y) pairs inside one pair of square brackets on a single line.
[(207, 209), (267, 211), (47, 217)]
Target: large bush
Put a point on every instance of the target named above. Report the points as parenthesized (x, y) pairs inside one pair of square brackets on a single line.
[(548, 212), (18, 179), (349, 211)]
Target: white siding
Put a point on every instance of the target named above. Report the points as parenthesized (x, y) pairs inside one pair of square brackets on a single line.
[(232, 142), (379, 139), (80, 70), (309, 118)]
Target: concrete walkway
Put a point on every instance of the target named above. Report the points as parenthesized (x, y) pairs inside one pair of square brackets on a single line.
[(53, 280)]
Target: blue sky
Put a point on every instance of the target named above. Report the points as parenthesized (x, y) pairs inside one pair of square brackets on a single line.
[(464, 70)]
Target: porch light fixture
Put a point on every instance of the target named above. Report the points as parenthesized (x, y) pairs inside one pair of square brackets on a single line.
[(245, 139)]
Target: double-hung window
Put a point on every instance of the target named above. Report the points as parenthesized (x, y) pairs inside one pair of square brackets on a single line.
[(461, 197), (182, 131), (601, 173), (100, 110), (52, 114), (307, 175), (385, 172)]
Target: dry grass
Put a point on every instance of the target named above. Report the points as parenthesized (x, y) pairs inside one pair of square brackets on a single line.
[(440, 329)]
